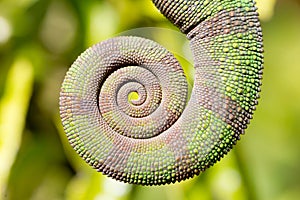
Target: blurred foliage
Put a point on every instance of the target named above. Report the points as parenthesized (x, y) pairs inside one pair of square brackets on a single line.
[(39, 39)]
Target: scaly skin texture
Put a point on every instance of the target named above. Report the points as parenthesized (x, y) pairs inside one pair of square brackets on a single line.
[(160, 137)]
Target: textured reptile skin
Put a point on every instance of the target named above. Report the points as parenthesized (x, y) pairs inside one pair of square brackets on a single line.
[(161, 138)]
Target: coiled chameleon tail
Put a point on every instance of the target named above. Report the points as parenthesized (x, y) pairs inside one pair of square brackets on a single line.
[(160, 138)]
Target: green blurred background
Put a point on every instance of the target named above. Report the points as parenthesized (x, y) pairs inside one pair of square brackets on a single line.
[(39, 39)]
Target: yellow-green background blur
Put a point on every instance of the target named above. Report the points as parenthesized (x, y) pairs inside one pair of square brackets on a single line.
[(39, 39)]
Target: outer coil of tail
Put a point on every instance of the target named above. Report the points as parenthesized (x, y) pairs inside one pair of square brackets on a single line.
[(160, 138)]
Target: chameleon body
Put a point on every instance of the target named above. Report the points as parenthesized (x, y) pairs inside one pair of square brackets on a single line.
[(161, 138)]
